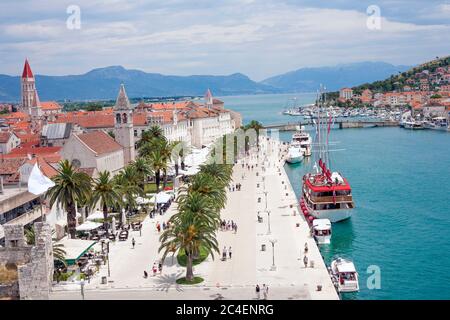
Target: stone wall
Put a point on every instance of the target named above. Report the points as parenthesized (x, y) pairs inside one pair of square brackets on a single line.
[(35, 277), (34, 263)]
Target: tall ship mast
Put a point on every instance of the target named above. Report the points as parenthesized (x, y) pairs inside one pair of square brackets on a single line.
[(326, 194)]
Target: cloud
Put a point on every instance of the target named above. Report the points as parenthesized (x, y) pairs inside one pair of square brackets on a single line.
[(258, 38)]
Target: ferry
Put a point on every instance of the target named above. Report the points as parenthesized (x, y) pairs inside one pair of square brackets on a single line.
[(344, 275), (327, 195), (304, 139), (321, 230)]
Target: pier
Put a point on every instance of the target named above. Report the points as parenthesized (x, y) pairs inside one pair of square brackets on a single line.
[(339, 124)]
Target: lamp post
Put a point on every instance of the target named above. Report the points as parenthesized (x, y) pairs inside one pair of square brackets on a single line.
[(268, 221), (82, 288), (107, 257), (273, 267), (265, 194)]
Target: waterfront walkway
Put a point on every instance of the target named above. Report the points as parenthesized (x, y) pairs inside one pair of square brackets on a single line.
[(234, 278)]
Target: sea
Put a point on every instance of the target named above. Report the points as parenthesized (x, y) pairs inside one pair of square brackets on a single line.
[(399, 234)]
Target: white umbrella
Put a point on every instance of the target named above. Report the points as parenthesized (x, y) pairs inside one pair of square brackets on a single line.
[(88, 226), (96, 215), (161, 197), (124, 217), (140, 200)]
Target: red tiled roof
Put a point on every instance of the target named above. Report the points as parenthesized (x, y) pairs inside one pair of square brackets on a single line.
[(35, 150), (9, 166), (100, 142), (4, 136), (44, 166), (50, 105), (27, 73)]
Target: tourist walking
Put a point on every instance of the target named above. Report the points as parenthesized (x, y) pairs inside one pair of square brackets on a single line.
[(229, 252), (306, 248), (160, 267), (264, 290), (224, 254), (258, 292), (145, 274), (133, 242), (155, 269), (305, 261)]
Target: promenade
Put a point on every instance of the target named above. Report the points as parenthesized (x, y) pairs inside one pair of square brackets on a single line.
[(234, 278)]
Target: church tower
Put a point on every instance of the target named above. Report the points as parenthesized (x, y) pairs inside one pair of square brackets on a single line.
[(123, 125), (209, 99), (28, 88), (36, 113)]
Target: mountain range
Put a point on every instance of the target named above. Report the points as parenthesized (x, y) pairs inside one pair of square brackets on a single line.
[(103, 83)]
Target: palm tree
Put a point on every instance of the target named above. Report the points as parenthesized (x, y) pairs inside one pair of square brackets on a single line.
[(255, 125), (151, 136), (105, 192), (126, 183), (158, 163), (143, 170), (193, 226), (70, 187), (208, 186), (221, 172)]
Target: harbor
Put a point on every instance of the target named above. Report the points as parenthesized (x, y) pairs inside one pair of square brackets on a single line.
[(265, 192)]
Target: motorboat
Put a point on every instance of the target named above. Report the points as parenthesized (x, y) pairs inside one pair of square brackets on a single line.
[(295, 153), (321, 229), (344, 275)]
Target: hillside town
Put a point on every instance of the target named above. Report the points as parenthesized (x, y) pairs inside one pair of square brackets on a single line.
[(426, 93), (41, 132)]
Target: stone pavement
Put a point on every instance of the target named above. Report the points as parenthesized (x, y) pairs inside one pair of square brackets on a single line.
[(234, 278)]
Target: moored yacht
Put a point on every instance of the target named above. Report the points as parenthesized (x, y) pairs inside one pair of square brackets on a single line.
[(321, 229), (304, 139), (295, 154), (344, 275)]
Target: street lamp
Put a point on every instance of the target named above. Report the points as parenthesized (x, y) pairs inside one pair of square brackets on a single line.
[(268, 221), (273, 267), (107, 257), (265, 194), (82, 288)]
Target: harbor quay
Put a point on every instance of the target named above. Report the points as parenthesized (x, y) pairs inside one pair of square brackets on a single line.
[(268, 247)]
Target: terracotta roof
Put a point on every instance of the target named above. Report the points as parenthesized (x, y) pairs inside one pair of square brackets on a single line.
[(35, 150), (9, 166), (4, 136), (99, 142), (27, 73), (50, 105), (44, 166)]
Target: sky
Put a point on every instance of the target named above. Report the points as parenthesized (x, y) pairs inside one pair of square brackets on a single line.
[(259, 38)]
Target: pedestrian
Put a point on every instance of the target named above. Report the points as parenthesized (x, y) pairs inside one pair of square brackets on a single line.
[(232, 188), (160, 267), (264, 292), (155, 269), (235, 228), (267, 292), (305, 261), (224, 254), (133, 242), (229, 252), (158, 226), (164, 225), (258, 292), (145, 274), (306, 248)]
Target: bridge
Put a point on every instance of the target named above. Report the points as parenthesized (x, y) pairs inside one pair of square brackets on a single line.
[(341, 124)]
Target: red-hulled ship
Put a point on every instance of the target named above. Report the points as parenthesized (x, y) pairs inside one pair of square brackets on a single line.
[(326, 195)]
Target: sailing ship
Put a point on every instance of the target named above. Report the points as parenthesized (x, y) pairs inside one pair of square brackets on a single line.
[(326, 194)]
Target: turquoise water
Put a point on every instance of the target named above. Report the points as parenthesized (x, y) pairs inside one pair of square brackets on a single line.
[(401, 188)]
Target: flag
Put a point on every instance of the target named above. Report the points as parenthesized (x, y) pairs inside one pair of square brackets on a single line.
[(38, 183)]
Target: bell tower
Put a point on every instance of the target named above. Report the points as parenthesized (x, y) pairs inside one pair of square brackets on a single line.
[(123, 125), (28, 88)]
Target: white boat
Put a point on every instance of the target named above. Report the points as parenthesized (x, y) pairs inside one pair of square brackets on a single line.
[(413, 125), (295, 154), (344, 275), (322, 230), (304, 139)]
